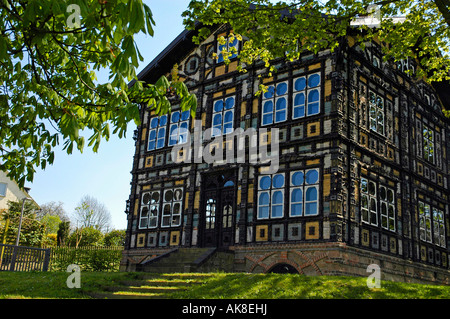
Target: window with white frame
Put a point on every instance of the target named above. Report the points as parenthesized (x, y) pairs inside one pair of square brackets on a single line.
[(157, 132), (3, 187), (376, 112), (387, 208), (179, 127), (149, 209), (304, 193), (275, 103), (369, 210), (425, 222), (377, 198), (428, 143), (438, 227), (271, 196), (306, 95), (172, 203), (231, 46), (210, 214), (223, 116), (431, 224)]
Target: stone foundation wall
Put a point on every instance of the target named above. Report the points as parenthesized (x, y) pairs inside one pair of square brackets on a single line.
[(311, 259), (334, 259)]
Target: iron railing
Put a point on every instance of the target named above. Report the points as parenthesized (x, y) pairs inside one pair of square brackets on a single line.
[(21, 258)]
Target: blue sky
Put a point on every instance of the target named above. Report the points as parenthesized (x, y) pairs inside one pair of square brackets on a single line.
[(105, 175)]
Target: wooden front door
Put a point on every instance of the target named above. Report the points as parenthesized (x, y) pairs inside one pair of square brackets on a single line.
[(218, 212)]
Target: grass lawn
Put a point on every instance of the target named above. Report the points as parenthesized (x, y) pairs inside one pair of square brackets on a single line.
[(214, 286)]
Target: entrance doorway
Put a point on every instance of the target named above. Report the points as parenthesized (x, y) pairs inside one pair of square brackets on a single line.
[(218, 209)]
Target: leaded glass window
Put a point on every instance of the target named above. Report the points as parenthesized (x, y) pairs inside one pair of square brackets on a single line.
[(223, 116), (231, 46), (428, 143), (438, 227), (306, 95), (376, 112), (387, 208), (304, 193), (271, 196), (179, 127), (149, 210), (172, 203), (157, 132), (425, 222), (274, 103)]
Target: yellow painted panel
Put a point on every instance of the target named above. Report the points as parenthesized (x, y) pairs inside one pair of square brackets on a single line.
[(250, 194), (231, 90), (326, 184), (186, 202), (174, 238), (365, 237), (265, 138), (310, 131), (197, 200), (218, 94), (140, 242), (243, 108), (262, 233), (312, 230), (136, 207), (255, 106), (149, 161), (144, 134), (232, 66), (267, 80), (220, 70), (203, 119), (327, 87), (314, 66), (313, 162)]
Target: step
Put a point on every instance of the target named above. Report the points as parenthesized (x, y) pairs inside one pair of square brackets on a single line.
[(160, 283)]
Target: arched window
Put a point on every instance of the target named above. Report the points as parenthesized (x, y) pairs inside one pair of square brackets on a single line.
[(271, 196), (306, 86), (276, 95), (223, 116)]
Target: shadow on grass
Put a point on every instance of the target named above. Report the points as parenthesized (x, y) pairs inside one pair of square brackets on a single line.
[(294, 286)]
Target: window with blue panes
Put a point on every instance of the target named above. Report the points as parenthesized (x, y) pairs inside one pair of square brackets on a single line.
[(275, 103), (306, 96), (223, 116), (304, 193), (179, 127), (271, 196), (157, 132), (229, 46)]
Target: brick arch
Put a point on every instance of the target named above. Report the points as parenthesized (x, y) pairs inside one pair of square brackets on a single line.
[(281, 257), (282, 262)]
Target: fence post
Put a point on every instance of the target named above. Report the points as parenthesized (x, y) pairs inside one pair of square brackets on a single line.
[(46, 259), (13, 260), (4, 240)]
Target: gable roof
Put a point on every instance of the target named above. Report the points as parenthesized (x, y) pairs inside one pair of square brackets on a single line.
[(183, 44)]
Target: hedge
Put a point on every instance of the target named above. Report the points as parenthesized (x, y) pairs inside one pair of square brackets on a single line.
[(87, 258)]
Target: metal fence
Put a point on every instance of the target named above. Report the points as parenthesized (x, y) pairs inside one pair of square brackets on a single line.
[(20, 258)]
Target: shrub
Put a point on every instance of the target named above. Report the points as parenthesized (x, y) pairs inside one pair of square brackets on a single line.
[(88, 258)]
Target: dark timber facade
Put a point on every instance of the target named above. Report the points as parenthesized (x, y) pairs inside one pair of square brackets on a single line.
[(363, 166)]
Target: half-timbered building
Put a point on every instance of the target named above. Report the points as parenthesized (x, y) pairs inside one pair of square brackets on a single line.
[(361, 177)]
